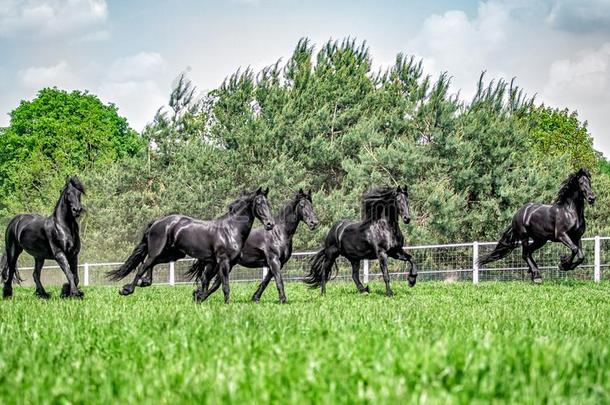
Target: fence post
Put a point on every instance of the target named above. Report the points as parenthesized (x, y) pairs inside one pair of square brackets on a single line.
[(597, 273), (265, 271), (475, 262), (172, 273), (366, 271), (86, 275)]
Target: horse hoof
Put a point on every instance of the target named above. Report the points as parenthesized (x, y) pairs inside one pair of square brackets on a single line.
[(283, 301), (537, 280), (412, 281), (389, 293), (7, 294), (125, 291), (197, 296), (43, 295), (145, 283)]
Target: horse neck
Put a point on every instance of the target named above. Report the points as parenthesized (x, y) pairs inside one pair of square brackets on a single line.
[(287, 221), (576, 202), (243, 218), (62, 213)]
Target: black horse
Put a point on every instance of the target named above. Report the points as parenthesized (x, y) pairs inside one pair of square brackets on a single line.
[(564, 222), (55, 237), (377, 236), (217, 242), (266, 249)]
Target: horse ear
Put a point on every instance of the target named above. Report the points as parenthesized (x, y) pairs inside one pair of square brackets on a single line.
[(399, 189), (309, 193), (259, 190), (266, 192), (405, 189), (301, 192)]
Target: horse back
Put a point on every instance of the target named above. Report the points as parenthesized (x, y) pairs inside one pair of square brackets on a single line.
[(29, 232), (534, 220)]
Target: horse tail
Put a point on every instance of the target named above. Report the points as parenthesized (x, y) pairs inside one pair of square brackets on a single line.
[(137, 256), (10, 238), (319, 270), (4, 267), (506, 244), (195, 272)]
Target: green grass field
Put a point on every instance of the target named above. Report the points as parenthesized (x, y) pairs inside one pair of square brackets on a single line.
[(449, 343)]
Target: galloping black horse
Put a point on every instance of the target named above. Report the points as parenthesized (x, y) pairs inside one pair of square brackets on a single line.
[(266, 249), (564, 222), (55, 237), (377, 236), (217, 242)]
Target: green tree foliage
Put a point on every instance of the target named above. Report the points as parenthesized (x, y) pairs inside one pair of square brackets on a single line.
[(559, 133), (325, 119), (56, 134)]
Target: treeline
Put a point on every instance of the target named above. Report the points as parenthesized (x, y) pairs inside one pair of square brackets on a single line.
[(324, 119)]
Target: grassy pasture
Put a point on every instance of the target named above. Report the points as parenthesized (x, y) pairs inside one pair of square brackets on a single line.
[(435, 343)]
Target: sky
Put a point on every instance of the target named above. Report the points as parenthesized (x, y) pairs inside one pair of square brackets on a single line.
[(130, 52)]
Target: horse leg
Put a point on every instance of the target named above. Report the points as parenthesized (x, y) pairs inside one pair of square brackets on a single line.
[(148, 264), (73, 261), (580, 257), (404, 256), (69, 289), (276, 269), (12, 254), (202, 293), (223, 271), (383, 264), (356, 277), (567, 261), (40, 291), (262, 286), (147, 280), (331, 255), (527, 251)]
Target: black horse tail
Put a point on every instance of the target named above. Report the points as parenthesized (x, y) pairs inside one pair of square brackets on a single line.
[(319, 270), (195, 272), (506, 244), (137, 256), (4, 266)]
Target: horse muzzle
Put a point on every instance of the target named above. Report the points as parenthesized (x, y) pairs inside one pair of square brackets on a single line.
[(269, 225), (407, 220), (591, 199), (312, 225)]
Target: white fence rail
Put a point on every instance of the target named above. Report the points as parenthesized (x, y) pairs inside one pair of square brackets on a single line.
[(449, 262)]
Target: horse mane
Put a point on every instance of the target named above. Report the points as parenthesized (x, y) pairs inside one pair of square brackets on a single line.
[(569, 185), (378, 203), (240, 202), (75, 182), (289, 206)]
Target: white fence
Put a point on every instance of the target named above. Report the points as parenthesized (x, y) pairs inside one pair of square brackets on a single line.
[(450, 262)]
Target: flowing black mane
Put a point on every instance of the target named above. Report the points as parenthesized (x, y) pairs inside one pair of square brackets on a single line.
[(289, 207), (570, 185), (74, 182), (240, 202), (380, 202)]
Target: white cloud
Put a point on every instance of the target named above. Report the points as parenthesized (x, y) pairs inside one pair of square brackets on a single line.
[(452, 42), (525, 40), (137, 67), (580, 15), (136, 100), (51, 18), (37, 77), (132, 84), (583, 83)]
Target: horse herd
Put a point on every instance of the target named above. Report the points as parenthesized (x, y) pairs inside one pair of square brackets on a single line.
[(220, 244)]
